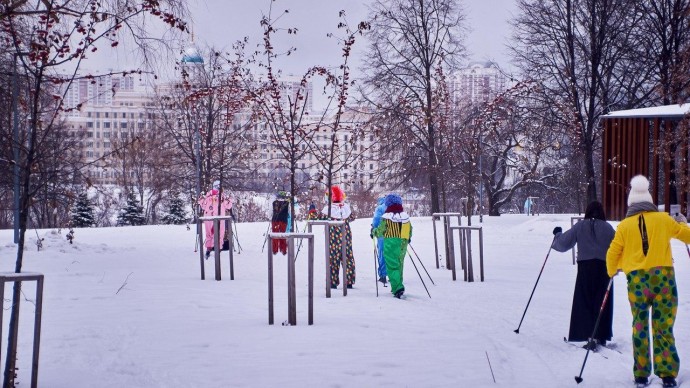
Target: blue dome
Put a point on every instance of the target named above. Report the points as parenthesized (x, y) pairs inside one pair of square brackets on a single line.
[(191, 55)]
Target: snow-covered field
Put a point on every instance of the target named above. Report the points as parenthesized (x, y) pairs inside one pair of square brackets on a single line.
[(167, 328)]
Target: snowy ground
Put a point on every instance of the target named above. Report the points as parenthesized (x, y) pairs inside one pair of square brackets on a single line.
[(168, 328)]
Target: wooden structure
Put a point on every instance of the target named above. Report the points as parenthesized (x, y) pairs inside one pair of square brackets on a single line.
[(640, 141), (12, 277), (292, 288), (447, 237), (465, 233), (217, 243)]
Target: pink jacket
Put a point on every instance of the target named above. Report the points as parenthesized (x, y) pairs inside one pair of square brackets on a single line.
[(209, 203)]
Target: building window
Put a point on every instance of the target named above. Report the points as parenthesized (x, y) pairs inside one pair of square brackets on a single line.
[(106, 125), (123, 125)]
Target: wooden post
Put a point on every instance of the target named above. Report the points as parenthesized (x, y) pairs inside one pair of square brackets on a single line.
[(433, 222), (292, 293), (328, 261), (310, 247), (37, 331), (469, 270), (270, 280), (202, 248), (343, 258), (573, 221), (231, 246), (216, 246), (481, 254)]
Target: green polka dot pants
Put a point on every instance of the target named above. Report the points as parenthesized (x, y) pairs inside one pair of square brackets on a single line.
[(654, 290)]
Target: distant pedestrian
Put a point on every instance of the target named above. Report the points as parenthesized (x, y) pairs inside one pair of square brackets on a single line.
[(592, 235), (396, 230), (641, 249), (375, 222)]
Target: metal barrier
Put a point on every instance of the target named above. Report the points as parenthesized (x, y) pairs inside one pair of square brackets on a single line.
[(292, 293), (573, 221), (447, 235), (343, 254), (216, 245), (12, 277), (465, 234)]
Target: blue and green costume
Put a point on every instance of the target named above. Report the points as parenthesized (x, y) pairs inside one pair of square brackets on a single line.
[(396, 230)]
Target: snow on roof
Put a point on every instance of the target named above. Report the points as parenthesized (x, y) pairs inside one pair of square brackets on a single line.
[(676, 110)]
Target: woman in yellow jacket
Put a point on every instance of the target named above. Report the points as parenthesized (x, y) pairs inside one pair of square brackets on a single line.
[(641, 249)]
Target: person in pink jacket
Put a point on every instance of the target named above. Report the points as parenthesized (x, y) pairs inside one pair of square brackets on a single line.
[(214, 204)]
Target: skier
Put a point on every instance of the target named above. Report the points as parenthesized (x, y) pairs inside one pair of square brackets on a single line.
[(396, 230), (280, 221), (641, 249), (593, 236), (339, 211), (376, 220), (209, 204)]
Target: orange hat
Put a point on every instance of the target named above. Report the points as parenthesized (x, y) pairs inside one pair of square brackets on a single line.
[(337, 194)]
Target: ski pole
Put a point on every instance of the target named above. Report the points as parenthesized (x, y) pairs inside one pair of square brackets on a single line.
[(578, 379), (535, 286), (376, 271), (420, 262), (266, 237), (420, 275), (237, 239), (687, 248)]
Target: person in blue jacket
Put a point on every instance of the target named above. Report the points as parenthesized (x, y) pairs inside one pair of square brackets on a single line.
[(376, 220)]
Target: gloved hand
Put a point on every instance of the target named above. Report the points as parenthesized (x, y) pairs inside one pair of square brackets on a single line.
[(680, 218), (557, 230), (371, 233)]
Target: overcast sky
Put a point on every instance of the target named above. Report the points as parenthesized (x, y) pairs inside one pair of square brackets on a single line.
[(220, 22)]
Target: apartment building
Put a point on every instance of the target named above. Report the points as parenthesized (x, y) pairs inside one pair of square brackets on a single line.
[(109, 110), (478, 82)]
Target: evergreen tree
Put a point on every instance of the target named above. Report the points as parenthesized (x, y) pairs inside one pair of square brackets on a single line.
[(132, 213), (176, 212), (82, 213)]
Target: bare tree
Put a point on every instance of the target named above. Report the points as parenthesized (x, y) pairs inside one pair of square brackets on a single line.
[(575, 48), (282, 107), (409, 40), (45, 36), (207, 123)]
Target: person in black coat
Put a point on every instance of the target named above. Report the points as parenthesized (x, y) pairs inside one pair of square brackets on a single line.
[(593, 236)]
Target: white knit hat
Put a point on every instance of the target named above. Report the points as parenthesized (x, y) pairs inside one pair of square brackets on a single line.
[(639, 190), (216, 185)]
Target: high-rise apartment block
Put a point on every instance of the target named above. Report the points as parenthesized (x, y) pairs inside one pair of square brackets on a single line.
[(479, 82)]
